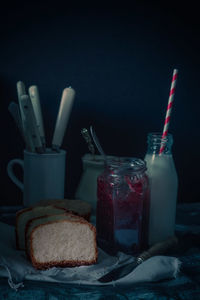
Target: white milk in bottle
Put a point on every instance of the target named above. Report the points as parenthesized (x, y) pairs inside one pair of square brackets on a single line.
[(164, 185)]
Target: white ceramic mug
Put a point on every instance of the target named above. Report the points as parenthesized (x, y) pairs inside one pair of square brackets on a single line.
[(44, 175)]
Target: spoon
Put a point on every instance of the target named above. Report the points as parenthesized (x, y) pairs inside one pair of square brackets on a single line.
[(97, 143), (88, 140)]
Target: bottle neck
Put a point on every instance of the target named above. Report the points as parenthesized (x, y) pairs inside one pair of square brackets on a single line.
[(156, 142)]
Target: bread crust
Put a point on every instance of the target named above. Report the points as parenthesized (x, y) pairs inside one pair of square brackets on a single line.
[(85, 216), (58, 203), (18, 213), (64, 263), (45, 203)]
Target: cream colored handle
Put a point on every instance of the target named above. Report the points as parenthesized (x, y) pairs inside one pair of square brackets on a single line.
[(35, 99), (11, 174), (63, 116), (31, 122), (21, 90)]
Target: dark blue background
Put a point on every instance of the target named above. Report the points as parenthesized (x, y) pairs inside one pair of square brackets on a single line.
[(120, 60)]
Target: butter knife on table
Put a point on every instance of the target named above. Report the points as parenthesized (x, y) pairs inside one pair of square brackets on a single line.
[(157, 249)]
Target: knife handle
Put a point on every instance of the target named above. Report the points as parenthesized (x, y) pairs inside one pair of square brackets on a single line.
[(15, 113), (63, 117), (21, 91), (158, 248), (31, 125), (35, 99)]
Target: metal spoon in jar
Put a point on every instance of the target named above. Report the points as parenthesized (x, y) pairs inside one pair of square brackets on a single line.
[(97, 143), (88, 140)]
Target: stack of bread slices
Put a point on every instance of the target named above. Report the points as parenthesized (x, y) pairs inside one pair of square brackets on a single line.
[(57, 233)]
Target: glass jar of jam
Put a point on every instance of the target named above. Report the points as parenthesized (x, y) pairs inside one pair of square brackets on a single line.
[(122, 206)]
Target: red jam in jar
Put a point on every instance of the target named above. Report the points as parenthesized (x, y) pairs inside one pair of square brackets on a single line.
[(122, 206)]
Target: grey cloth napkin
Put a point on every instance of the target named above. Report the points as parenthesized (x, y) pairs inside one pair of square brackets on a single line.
[(15, 266)]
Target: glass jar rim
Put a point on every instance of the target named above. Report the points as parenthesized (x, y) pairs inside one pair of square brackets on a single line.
[(131, 164)]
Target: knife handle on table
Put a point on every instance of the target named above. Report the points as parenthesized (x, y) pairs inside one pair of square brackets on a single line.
[(35, 99), (158, 248), (63, 117), (31, 123)]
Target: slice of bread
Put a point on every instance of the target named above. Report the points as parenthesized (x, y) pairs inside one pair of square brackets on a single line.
[(42, 220), (77, 207), (24, 215), (61, 240)]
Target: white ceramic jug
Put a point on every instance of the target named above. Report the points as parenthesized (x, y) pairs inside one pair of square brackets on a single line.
[(93, 166)]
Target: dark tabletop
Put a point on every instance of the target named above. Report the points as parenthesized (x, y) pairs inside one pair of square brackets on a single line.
[(185, 286)]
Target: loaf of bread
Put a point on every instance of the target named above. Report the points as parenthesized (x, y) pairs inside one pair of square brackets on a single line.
[(77, 207), (23, 216), (61, 240)]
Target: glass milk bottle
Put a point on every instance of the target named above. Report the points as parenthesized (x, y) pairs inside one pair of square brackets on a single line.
[(164, 185)]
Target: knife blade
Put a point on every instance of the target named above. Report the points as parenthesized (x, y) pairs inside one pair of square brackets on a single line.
[(157, 249)]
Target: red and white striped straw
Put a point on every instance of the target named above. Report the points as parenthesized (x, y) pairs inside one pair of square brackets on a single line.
[(169, 109)]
